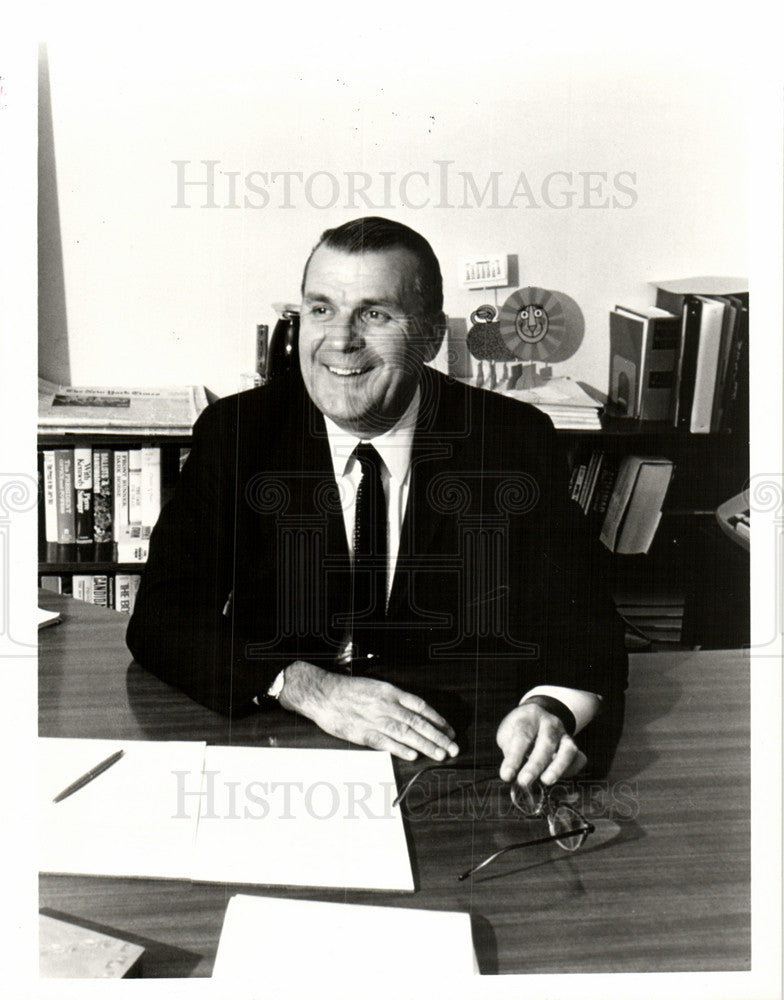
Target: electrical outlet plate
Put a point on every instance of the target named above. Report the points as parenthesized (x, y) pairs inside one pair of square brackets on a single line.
[(484, 271)]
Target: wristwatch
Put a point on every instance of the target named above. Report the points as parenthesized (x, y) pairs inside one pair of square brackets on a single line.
[(275, 688)]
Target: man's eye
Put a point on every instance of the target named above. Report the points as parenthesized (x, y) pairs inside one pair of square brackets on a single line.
[(375, 316), (319, 311)]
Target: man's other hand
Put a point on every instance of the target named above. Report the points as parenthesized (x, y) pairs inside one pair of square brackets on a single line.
[(535, 744), (369, 712)]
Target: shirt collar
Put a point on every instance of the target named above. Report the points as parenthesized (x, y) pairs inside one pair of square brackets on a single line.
[(394, 446)]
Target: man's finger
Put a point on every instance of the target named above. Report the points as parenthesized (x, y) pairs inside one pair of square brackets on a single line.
[(430, 732), (410, 735), (377, 740), (541, 755), (563, 764), (416, 704), (515, 752)]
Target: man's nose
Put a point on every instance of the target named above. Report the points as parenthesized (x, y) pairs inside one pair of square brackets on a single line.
[(344, 332)]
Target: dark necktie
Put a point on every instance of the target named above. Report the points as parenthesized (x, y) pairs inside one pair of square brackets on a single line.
[(369, 577)]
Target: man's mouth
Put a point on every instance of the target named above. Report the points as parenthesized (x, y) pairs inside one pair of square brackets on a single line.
[(346, 372)]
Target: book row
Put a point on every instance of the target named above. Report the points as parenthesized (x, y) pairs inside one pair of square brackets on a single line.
[(626, 494), (684, 360), (100, 504), (107, 590)]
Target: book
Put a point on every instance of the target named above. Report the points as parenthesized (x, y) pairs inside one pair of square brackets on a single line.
[(577, 485), (122, 588), (707, 364), (83, 502), (604, 485), (133, 543), (64, 492), (103, 590), (120, 507), (731, 318), (103, 503), (50, 505), (169, 410), (634, 509), (68, 951), (644, 345), (150, 485), (134, 486), (597, 462), (687, 362), (676, 296), (126, 586), (734, 404), (83, 587), (52, 582)]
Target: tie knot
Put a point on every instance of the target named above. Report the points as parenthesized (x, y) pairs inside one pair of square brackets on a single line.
[(368, 457)]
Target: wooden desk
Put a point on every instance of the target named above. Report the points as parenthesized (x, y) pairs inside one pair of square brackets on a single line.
[(669, 893)]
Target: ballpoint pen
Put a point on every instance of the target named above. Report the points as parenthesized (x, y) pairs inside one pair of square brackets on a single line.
[(88, 777)]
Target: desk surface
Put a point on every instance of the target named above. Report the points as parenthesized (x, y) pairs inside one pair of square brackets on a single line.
[(669, 892)]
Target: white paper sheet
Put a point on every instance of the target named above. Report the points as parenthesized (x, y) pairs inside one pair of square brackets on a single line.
[(126, 821), (223, 814), (301, 817), (340, 941)]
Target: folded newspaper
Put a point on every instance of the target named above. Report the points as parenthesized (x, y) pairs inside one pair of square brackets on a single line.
[(119, 410)]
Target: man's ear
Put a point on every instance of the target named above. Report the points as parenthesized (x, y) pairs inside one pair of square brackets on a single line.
[(438, 325)]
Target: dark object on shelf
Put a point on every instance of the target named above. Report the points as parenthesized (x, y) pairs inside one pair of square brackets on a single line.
[(283, 355)]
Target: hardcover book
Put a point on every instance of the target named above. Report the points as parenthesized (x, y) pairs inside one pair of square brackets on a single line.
[(634, 509), (643, 357)]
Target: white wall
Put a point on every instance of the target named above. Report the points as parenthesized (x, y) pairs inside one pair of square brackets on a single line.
[(152, 293)]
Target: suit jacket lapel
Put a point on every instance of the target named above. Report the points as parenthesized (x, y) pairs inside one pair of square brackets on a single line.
[(440, 436)]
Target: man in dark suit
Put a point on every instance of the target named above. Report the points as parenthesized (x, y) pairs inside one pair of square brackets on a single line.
[(350, 541)]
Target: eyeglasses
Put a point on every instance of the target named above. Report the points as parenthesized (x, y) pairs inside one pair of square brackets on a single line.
[(568, 827)]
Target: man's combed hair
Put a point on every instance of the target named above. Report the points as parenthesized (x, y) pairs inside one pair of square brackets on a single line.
[(373, 234)]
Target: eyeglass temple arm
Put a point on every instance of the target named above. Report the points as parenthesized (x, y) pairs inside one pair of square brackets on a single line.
[(446, 766), (586, 829)]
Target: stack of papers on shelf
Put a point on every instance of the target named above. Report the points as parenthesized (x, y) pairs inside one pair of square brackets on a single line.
[(266, 816), (566, 403), (343, 943), (118, 410)]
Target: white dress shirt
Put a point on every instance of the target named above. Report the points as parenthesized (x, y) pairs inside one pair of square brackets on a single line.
[(394, 446)]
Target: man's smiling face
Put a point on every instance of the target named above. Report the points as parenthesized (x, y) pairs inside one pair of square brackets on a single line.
[(363, 338)]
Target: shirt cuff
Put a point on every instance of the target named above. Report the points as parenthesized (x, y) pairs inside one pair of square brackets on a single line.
[(584, 705)]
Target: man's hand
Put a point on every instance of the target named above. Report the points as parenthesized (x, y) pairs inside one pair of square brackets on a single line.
[(369, 712), (536, 745)]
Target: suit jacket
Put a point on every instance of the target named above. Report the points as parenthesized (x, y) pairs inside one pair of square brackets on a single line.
[(496, 576)]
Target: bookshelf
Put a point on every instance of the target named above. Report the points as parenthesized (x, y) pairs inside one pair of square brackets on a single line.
[(108, 460), (67, 562), (691, 566)]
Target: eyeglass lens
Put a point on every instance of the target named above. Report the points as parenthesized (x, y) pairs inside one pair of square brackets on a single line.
[(564, 820)]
